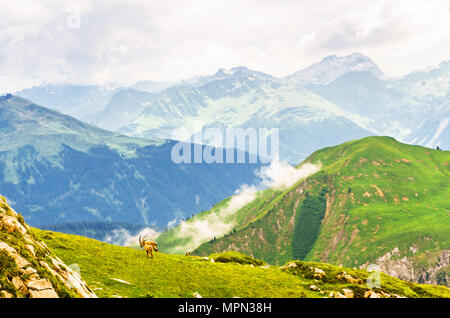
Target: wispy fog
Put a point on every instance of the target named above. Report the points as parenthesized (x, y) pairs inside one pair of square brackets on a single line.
[(218, 223), (124, 238), (280, 174)]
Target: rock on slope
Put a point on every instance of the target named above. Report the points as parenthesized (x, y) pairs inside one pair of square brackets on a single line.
[(27, 266)]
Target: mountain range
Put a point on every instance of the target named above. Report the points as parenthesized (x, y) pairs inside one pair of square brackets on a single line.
[(332, 101)]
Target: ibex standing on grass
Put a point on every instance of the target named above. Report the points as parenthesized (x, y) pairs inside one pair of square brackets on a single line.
[(148, 246)]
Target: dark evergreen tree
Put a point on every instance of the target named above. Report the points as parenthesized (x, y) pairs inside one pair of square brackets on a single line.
[(308, 223)]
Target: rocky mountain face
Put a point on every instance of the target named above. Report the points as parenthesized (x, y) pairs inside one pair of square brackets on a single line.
[(430, 101), (333, 67), (57, 169), (27, 266), (414, 108), (374, 202), (435, 272)]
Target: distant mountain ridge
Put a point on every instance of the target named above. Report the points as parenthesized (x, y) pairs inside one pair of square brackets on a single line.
[(237, 98), (362, 100), (80, 101), (57, 169)]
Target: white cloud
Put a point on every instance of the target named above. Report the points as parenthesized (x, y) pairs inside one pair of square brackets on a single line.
[(280, 174), (217, 223), (124, 238), (386, 30), (126, 41)]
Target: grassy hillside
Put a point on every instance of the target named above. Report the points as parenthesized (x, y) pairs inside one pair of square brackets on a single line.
[(114, 271), (393, 195), (386, 204)]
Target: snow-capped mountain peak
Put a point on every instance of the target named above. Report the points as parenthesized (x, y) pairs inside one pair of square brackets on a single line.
[(225, 73), (233, 70), (332, 67)]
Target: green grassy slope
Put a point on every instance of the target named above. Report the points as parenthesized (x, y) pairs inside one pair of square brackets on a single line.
[(231, 275), (392, 195), (382, 197)]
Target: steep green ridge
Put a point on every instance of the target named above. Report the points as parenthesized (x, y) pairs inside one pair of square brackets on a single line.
[(387, 204), (24, 123), (115, 271)]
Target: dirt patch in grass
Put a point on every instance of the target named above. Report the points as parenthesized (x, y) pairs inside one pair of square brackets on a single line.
[(379, 192)]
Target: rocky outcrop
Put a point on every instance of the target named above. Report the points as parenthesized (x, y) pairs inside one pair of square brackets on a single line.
[(344, 277), (28, 268), (436, 272), (393, 264)]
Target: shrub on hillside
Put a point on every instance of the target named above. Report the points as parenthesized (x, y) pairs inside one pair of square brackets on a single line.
[(235, 257)]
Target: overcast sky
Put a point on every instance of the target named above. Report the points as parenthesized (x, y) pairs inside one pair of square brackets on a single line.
[(99, 41)]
